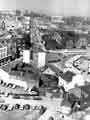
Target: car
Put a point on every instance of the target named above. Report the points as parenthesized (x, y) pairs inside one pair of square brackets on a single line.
[(10, 107), (2, 83), (21, 65), (37, 98), (33, 93), (51, 118), (42, 109), (4, 107), (26, 107), (16, 86), (2, 92), (23, 96), (13, 83), (10, 85), (17, 106), (14, 68), (34, 90), (6, 94), (15, 96), (21, 107)]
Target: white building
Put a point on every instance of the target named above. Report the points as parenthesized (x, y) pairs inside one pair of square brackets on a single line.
[(26, 56), (3, 51), (57, 19), (38, 58)]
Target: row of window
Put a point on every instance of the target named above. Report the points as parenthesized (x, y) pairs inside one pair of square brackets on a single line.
[(3, 52)]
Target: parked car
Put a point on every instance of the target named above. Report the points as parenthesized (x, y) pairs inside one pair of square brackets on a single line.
[(4, 107), (26, 107)]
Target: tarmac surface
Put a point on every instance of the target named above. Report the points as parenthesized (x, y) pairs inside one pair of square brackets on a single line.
[(52, 107)]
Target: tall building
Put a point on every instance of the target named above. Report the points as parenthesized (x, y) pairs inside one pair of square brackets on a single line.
[(34, 31), (38, 58)]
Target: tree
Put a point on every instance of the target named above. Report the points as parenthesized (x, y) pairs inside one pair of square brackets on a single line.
[(18, 12), (26, 37), (3, 25), (27, 13)]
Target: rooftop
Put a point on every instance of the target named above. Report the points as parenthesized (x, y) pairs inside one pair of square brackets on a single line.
[(1, 46)]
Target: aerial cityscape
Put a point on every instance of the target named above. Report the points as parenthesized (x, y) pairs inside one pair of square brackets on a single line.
[(44, 66)]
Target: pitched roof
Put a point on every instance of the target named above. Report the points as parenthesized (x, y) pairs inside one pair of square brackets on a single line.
[(1, 46), (6, 36)]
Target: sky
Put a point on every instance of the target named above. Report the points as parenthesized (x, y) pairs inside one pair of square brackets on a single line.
[(52, 7)]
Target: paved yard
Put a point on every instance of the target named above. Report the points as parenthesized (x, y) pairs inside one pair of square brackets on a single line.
[(19, 115)]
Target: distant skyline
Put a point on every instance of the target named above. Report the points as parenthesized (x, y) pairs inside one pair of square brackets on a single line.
[(51, 7)]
